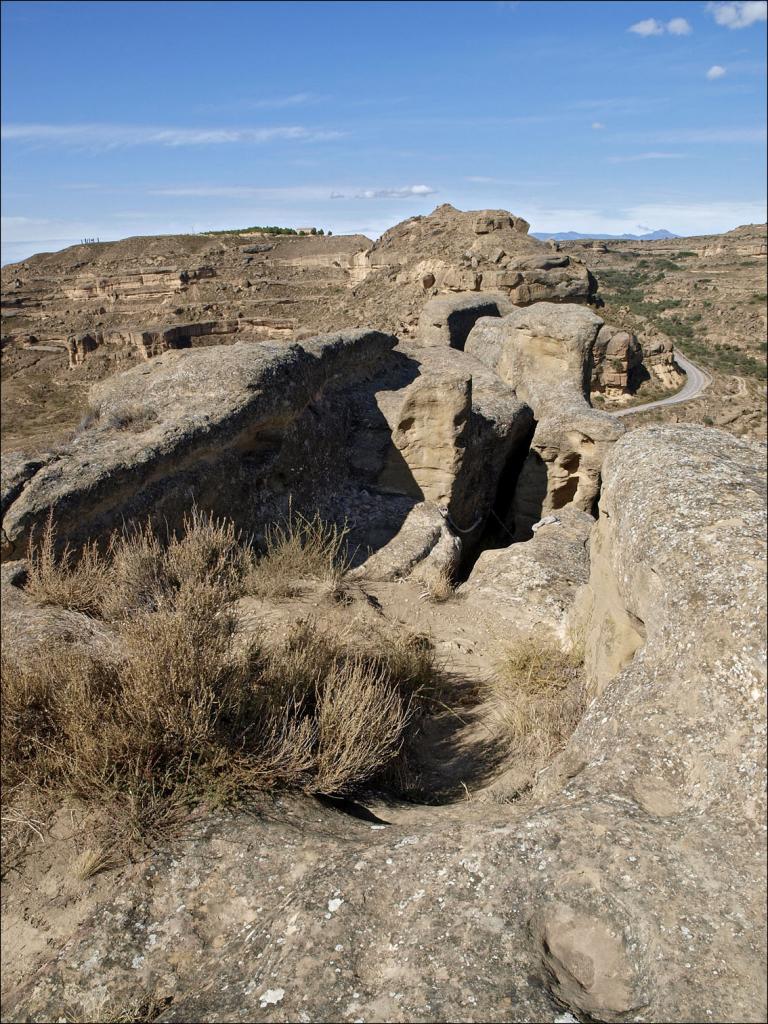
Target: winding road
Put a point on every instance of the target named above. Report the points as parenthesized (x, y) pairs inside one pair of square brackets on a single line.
[(696, 380)]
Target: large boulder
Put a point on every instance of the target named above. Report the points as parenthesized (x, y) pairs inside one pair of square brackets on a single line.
[(446, 320), (342, 424), (544, 352), (528, 589), (456, 427), (205, 425)]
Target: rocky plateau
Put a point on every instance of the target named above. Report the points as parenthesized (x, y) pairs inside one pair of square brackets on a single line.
[(446, 395)]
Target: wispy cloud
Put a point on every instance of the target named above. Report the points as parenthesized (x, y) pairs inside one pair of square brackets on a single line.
[(597, 126), (705, 135), (647, 27), (112, 136), (700, 218), (292, 192), (716, 71), (739, 14), (481, 179), (297, 99), (289, 192), (644, 156), (653, 27), (406, 192)]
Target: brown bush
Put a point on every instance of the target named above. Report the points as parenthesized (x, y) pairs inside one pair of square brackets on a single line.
[(298, 550), (63, 579), (180, 707)]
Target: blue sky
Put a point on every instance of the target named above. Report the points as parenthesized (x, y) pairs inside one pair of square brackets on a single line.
[(141, 118)]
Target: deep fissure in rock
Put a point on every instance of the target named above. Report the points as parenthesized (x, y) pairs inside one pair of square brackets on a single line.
[(500, 528)]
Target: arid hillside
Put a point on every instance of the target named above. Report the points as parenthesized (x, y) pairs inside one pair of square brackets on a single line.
[(708, 294), (76, 316)]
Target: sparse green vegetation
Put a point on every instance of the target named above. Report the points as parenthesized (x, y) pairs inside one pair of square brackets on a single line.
[(626, 289), (255, 229)]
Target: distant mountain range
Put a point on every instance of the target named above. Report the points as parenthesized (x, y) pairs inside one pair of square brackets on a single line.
[(568, 236)]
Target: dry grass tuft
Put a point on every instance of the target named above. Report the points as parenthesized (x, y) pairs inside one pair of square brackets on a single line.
[(537, 697), (92, 861), (61, 579), (439, 587), (180, 707), (298, 550)]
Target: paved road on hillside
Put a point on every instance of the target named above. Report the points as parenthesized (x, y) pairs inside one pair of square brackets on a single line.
[(697, 380)]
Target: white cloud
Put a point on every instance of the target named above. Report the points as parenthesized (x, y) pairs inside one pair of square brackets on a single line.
[(700, 135), (648, 27), (482, 179), (679, 27), (240, 192), (716, 71), (598, 125), (111, 136), (644, 156), (652, 27), (737, 14), (396, 193), (298, 99)]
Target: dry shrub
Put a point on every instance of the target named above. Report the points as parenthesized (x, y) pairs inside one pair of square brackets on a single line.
[(360, 724), (63, 579), (537, 697), (138, 570), (180, 708), (298, 550)]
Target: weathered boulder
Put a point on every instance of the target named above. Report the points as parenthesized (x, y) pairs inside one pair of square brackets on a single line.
[(341, 424), (544, 352), (487, 221), (446, 320), (206, 425), (528, 589), (456, 426)]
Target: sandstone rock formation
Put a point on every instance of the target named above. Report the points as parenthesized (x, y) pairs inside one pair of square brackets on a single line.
[(628, 885), (446, 252), (97, 309), (446, 321), (340, 423), (545, 353), (617, 358)]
